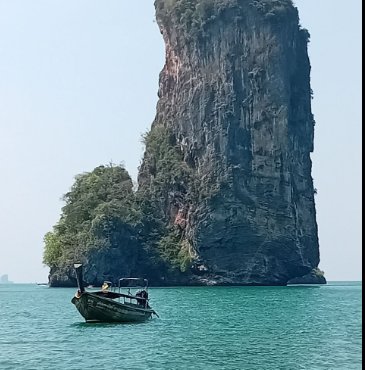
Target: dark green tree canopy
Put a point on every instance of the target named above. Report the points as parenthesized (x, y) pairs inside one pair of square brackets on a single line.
[(98, 208)]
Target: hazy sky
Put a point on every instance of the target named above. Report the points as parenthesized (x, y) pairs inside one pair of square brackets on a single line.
[(78, 87)]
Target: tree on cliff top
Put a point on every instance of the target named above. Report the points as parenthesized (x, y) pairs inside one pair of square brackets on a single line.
[(99, 204)]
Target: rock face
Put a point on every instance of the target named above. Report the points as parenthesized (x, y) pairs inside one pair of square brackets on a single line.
[(118, 260), (314, 277), (235, 94)]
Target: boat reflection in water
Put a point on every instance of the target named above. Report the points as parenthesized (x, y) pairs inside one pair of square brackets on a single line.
[(109, 305)]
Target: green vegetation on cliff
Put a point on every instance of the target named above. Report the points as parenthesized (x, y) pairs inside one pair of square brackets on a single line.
[(165, 161), (102, 205), (194, 15), (169, 182), (99, 205)]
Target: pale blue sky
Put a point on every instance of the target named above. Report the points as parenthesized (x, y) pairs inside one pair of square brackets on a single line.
[(78, 87)]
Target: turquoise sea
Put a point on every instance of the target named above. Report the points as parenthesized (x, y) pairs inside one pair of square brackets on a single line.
[(296, 327)]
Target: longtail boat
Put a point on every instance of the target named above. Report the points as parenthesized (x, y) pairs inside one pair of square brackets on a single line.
[(113, 306)]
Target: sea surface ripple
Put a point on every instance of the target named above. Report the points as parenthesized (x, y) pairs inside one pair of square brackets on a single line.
[(296, 327)]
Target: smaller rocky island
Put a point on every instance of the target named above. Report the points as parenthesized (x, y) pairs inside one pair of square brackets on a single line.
[(4, 279)]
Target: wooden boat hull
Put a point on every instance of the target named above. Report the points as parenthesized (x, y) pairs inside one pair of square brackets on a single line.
[(94, 308)]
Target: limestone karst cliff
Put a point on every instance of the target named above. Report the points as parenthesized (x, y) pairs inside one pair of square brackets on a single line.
[(225, 191), (235, 99)]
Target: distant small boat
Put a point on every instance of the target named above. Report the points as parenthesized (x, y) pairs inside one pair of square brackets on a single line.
[(111, 306), (42, 284)]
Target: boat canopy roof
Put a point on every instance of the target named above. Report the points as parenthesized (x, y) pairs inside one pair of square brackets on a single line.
[(133, 283), (114, 295)]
